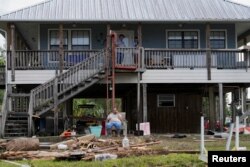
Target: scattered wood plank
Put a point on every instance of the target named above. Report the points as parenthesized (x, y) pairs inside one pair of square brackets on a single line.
[(71, 142)]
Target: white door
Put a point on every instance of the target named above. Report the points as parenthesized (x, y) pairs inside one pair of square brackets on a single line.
[(129, 42), (129, 37)]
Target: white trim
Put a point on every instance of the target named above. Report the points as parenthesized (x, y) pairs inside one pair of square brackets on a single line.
[(225, 30), (180, 30)]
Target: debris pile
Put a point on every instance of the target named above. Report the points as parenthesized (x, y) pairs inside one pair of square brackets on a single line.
[(86, 147)]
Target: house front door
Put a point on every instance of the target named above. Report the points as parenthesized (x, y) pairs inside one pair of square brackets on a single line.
[(128, 37)]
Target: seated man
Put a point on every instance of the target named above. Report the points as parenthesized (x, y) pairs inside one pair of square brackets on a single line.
[(114, 119)]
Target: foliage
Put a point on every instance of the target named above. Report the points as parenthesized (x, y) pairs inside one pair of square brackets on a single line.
[(2, 61), (141, 161), (97, 111)]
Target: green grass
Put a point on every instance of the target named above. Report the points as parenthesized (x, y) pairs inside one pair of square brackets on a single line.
[(185, 160)]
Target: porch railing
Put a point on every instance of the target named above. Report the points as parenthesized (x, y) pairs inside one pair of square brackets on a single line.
[(131, 57), (127, 57), (36, 60), (221, 59)]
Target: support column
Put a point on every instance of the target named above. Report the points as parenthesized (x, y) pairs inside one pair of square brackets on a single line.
[(212, 117), (233, 106), (56, 109), (139, 78), (145, 105), (243, 102), (61, 56), (221, 107), (13, 52), (108, 41), (208, 52)]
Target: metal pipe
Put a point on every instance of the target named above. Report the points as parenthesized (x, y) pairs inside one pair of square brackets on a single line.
[(114, 39), (107, 68), (221, 106), (237, 133), (230, 137), (202, 144)]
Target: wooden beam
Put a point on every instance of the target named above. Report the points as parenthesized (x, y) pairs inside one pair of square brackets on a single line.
[(13, 52), (212, 117), (145, 108), (108, 42), (208, 53), (221, 106), (139, 78), (243, 102), (139, 33), (61, 48), (56, 109), (8, 36)]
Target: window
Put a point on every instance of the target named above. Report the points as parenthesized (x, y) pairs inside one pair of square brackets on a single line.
[(73, 39), (218, 39), (166, 100), (182, 39), (80, 39), (54, 39)]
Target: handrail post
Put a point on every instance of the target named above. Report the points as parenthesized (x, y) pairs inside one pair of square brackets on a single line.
[(142, 53), (30, 114), (56, 110), (13, 52)]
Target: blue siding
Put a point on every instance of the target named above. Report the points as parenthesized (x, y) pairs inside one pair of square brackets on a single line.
[(96, 31), (153, 35)]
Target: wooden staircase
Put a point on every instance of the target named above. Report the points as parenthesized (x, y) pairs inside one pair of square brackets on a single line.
[(18, 122), (66, 85), (16, 125)]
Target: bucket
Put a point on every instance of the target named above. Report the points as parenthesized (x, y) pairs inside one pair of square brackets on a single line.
[(96, 130)]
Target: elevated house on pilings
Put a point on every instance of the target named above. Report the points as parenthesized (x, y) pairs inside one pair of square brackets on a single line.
[(177, 52)]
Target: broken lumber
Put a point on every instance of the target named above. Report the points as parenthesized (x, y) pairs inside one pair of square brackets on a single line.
[(23, 144), (73, 142)]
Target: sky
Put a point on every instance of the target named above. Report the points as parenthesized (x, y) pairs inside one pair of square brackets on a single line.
[(11, 5)]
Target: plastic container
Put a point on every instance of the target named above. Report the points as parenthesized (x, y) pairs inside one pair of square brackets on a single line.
[(62, 147), (125, 142), (96, 130)]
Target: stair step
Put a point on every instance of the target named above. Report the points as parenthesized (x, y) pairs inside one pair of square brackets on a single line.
[(16, 124), (16, 129), (14, 120), (19, 114), (16, 134)]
